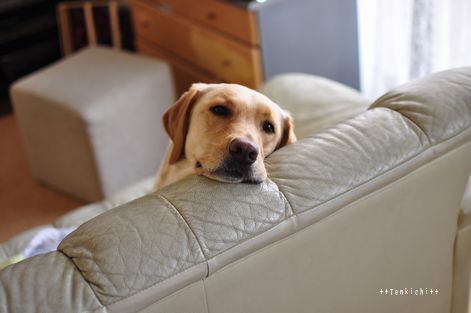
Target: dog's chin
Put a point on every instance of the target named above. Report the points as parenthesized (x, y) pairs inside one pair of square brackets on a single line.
[(235, 177), (229, 174)]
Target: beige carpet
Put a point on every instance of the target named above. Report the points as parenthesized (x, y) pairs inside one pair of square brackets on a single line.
[(23, 202)]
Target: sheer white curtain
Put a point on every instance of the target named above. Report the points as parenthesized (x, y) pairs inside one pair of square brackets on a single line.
[(404, 39)]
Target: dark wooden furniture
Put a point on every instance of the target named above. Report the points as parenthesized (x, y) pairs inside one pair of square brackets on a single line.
[(28, 40)]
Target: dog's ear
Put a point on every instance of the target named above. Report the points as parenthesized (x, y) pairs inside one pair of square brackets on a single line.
[(176, 120), (288, 135)]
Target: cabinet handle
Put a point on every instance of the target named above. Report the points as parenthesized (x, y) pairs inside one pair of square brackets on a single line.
[(211, 16)]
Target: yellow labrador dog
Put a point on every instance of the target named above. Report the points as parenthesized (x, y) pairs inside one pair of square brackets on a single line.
[(223, 132)]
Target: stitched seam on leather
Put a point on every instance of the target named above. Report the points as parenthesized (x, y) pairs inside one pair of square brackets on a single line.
[(155, 284), (248, 239), (287, 217), (363, 183), (397, 165), (206, 302), (282, 194), (86, 280), (186, 223), (411, 121), (286, 201), (386, 187), (430, 145), (100, 309), (418, 154), (331, 215)]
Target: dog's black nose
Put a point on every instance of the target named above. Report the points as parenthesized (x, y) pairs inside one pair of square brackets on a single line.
[(243, 151)]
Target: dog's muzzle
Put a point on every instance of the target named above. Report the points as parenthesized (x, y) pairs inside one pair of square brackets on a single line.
[(239, 163)]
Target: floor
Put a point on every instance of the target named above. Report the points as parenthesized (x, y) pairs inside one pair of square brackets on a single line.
[(23, 202)]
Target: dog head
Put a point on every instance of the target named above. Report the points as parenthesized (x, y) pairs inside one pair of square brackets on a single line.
[(226, 131)]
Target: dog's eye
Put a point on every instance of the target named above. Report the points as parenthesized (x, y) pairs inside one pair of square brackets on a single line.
[(220, 110), (268, 127)]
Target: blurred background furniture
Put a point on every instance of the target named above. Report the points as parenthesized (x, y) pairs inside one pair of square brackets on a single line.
[(103, 22), (247, 42), (91, 123), (28, 41), (29, 37)]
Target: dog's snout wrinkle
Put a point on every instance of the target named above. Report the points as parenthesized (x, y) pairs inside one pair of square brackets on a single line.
[(243, 151)]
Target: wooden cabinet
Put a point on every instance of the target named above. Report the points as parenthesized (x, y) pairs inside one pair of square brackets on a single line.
[(215, 42), (246, 42)]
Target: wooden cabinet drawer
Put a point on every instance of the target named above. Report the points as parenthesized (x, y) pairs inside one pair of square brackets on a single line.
[(225, 58), (184, 74), (217, 15)]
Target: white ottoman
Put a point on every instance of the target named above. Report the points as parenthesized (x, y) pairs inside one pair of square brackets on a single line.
[(91, 123)]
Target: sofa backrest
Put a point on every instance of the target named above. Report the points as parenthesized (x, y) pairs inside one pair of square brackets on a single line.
[(372, 198)]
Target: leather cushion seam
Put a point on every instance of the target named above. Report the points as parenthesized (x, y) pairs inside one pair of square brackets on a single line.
[(85, 279), (153, 285), (284, 198), (418, 154), (406, 117), (205, 257), (185, 221), (287, 217)]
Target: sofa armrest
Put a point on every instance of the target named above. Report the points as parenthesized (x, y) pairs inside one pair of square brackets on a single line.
[(168, 239), (45, 283)]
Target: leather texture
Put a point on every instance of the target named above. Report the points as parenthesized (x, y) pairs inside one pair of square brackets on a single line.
[(343, 157), (386, 189), (45, 283), (399, 236), (224, 215), (127, 250), (450, 94)]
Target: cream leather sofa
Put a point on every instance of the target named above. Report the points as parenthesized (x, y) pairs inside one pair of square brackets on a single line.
[(370, 205)]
